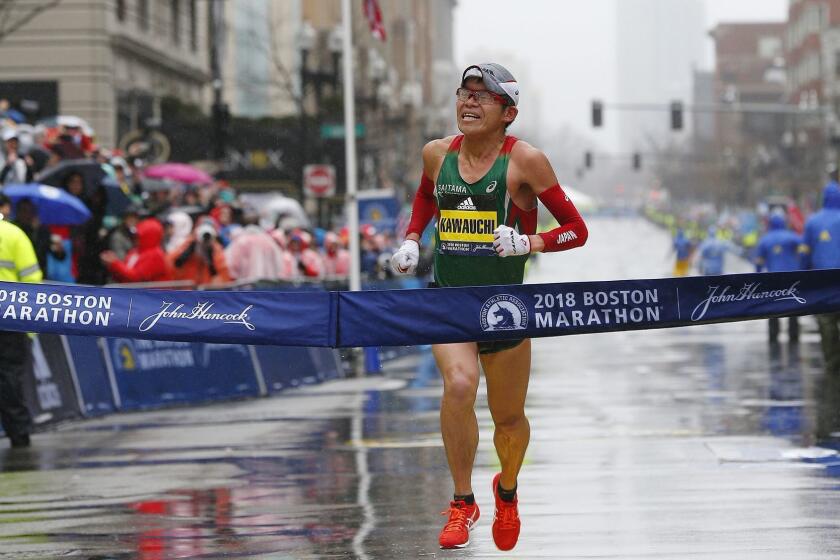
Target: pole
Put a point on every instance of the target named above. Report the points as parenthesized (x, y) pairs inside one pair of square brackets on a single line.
[(351, 205), (218, 109)]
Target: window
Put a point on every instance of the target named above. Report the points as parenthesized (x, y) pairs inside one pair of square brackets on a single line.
[(769, 47), (143, 14), (121, 10), (193, 26), (175, 11)]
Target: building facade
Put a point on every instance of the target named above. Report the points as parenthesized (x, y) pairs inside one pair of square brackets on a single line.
[(404, 85), (258, 57), (109, 61), (762, 142), (813, 55)]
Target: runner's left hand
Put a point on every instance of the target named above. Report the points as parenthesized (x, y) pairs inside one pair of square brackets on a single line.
[(508, 243)]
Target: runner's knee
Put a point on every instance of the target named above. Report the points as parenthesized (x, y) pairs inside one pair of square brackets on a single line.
[(508, 420), (459, 385)]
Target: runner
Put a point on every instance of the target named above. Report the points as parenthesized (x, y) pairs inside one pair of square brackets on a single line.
[(485, 197)]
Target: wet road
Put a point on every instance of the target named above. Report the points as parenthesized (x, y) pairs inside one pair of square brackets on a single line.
[(684, 443)]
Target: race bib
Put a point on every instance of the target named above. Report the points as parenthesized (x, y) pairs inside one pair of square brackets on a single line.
[(466, 225)]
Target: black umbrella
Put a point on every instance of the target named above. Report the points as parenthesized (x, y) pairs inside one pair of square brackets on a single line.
[(91, 172), (118, 196)]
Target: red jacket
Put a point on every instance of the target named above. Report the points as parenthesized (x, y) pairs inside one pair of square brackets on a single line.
[(147, 261)]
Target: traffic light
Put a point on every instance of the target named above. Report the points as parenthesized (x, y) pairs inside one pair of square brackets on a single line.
[(637, 161), (587, 160), (676, 115), (597, 114)]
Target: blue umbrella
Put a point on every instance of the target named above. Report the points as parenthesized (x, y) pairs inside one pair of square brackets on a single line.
[(15, 115), (55, 206)]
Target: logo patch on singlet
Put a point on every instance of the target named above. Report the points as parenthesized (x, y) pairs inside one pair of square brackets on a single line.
[(491, 187), (468, 204), (504, 312)]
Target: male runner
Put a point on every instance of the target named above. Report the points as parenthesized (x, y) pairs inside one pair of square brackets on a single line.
[(484, 186)]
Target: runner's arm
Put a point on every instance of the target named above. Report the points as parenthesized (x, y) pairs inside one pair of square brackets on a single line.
[(572, 231), (424, 207)]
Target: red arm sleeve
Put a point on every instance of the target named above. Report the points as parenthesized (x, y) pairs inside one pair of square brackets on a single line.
[(572, 231), (424, 207)]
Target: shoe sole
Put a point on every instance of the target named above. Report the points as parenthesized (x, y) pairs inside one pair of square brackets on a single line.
[(457, 546)]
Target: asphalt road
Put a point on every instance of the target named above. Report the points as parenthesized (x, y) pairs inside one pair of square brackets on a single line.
[(685, 443)]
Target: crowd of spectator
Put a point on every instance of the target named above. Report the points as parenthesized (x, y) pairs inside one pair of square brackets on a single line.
[(205, 233)]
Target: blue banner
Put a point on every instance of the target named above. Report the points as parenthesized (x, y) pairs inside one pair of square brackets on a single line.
[(445, 315), (284, 367), (84, 354), (380, 211), (296, 319), (412, 317), (153, 372)]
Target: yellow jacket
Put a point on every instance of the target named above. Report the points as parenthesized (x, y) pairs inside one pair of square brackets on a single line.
[(17, 256)]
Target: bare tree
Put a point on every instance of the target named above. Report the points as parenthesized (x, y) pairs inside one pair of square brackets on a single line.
[(14, 14)]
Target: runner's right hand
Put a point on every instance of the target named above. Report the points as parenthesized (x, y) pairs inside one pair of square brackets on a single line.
[(406, 258)]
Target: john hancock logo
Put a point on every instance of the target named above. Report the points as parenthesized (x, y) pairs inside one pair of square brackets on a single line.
[(749, 292), (504, 313), (201, 312)]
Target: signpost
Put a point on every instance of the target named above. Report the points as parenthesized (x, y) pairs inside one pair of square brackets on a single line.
[(336, 131), (319, 180)]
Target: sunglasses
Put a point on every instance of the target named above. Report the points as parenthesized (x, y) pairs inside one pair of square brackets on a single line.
[(483, 97)]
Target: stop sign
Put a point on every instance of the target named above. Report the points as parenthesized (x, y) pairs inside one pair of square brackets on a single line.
[(319, 180)]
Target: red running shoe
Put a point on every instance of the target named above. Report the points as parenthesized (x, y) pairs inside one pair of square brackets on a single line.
[(506, 522), (462, 519)]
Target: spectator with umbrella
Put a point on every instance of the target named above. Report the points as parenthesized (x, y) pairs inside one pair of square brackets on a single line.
[(38, 206), (62, 174)]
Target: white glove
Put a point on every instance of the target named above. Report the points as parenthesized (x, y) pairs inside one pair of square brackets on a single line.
[(508, 243), (406, 258)]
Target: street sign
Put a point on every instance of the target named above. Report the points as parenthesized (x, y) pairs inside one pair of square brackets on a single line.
[(336, 131), (319, 180)]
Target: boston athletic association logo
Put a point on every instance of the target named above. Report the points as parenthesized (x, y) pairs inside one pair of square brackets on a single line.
[(504, 312)]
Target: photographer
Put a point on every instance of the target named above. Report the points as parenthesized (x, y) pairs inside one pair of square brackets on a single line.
[(200, 257)]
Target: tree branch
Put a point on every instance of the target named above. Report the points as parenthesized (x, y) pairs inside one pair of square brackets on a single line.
[(8, 25)]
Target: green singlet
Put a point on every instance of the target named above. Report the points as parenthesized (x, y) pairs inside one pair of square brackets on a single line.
[(469, 212)]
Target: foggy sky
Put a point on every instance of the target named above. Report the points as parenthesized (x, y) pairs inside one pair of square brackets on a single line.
[(566, 48)]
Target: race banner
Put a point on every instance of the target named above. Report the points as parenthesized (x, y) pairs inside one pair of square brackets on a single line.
[(413, 317), (251, 317), (429, 316), (156, 372)]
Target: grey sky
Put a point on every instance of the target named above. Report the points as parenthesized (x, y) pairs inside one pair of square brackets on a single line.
[(566, 49)]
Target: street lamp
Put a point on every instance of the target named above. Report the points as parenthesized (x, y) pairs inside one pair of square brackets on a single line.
[(307, 41)]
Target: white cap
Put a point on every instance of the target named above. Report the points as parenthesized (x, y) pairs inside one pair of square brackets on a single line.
[(9, 133)]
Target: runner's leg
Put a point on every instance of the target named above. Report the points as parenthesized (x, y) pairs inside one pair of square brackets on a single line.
[(507, 373), (458, 365)]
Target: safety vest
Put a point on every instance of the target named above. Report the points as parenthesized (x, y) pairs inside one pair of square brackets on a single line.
[(17, 256)]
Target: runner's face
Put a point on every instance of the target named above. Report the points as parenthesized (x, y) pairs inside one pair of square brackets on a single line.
[(474, 117)]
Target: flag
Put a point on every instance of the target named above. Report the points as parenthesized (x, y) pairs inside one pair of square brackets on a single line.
[(374, 16)]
